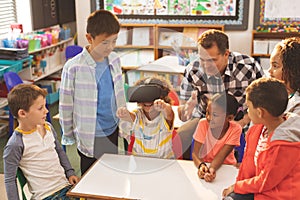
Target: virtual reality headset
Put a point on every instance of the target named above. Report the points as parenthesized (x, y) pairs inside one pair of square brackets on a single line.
[(146, 93)]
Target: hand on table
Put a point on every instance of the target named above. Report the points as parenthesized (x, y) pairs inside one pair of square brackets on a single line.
[(210, 175), (228, 190), (73, 180)]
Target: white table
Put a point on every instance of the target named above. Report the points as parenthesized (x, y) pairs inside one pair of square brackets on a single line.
[(130, 177), (166, 64)]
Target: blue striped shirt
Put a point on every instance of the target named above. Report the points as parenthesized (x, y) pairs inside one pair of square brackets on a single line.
[(79, 97)]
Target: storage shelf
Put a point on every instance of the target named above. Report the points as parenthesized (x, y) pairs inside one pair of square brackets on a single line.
[(51, 71), (270, 37), (51, 46), (154, 35), (135, 47)]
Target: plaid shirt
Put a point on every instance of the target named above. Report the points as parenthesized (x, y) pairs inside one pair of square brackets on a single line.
[(241, 70)]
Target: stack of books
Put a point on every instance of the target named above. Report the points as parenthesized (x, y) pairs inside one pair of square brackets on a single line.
[(13, 53)]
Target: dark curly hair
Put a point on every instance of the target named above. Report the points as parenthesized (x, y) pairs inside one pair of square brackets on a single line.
[(291, 62)]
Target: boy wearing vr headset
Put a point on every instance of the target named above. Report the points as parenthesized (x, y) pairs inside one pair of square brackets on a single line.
[(152, 122)]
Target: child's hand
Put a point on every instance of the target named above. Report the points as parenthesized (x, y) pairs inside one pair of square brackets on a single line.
[(159, 104), (190, 105), (228, 190), (73, 180), (210, 175), (123, 113), (202, 171)]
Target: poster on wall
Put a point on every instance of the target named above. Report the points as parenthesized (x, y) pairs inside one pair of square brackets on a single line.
[(172, 7), (274, 13), (233, 14)]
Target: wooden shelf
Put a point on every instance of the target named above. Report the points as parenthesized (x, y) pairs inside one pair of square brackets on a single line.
[(135, 47), (154, 35), (54, 61), (51, 46), (270, 37)]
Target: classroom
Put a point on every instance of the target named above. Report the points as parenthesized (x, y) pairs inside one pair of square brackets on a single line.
[(162, 99)]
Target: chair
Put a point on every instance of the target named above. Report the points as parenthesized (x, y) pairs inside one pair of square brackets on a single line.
[(11, 80), (22, 180), (239, 151), (176, 145), (174, 96), (192, 149), (72, 51)]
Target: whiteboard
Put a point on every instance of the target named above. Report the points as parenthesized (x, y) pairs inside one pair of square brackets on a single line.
[(282, 9)]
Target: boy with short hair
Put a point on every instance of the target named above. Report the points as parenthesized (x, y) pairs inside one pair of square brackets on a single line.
[(34, 148), (270, 168), (91, 90)]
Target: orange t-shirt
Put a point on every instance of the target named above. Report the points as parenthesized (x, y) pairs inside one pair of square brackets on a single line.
[(211, 146)]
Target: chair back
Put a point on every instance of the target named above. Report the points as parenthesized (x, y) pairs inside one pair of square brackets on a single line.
[(239, 150), (72, 51), (22, 180), (174, 96), (176, 145), (11, 80)]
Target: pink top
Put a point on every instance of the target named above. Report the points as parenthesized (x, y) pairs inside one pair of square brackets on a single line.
[(211, 146)]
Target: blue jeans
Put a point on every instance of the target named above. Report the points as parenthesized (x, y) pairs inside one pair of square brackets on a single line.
[(60, 195)]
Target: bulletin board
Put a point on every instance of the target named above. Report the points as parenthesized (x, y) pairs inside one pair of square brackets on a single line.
[(273, 12), (233, 14)]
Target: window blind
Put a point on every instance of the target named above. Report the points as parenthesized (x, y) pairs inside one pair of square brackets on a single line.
[(7, 16)]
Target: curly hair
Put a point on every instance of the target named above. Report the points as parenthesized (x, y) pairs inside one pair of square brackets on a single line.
[(291, 62)]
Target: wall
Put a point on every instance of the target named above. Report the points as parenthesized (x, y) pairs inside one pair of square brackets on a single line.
[(83, 9), (238, 40)]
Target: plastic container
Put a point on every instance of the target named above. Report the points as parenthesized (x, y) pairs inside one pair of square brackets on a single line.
[(52, 97), (3, 70), (16, 65)]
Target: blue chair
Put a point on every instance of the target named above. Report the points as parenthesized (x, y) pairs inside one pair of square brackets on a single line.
[(239, 151), (72, 51), (11, 80)]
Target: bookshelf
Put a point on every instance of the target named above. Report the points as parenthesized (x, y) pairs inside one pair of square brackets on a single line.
[(174, 38), (263, 42), (139, 45), (154, 39)]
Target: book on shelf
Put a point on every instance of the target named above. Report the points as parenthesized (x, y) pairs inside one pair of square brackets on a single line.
[(141, 36), (170, 38), (190, 36), (265, 63), (135, 57), (122, 37), (272, 44), (201, 30), (260, 46)]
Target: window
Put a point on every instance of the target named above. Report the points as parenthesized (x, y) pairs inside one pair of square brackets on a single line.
[(7, 16)]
